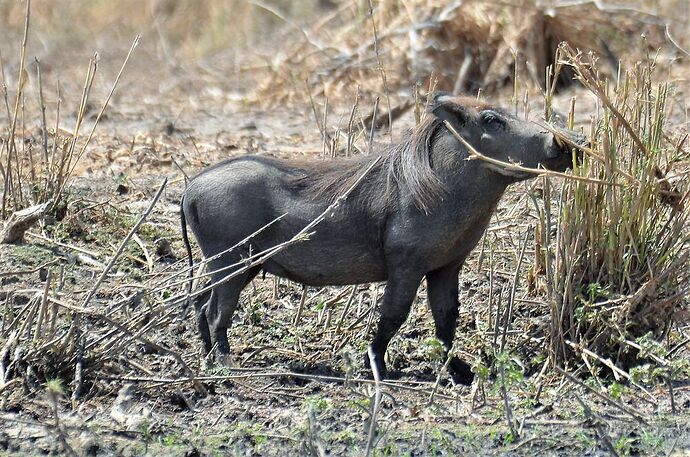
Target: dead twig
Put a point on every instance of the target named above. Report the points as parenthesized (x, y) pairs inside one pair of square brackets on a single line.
[(123, 244), (19, 222), (606, 398), (596, 421), (375, 404)]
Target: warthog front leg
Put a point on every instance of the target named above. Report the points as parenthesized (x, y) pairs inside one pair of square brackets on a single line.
[(401, 289), (442, 291)]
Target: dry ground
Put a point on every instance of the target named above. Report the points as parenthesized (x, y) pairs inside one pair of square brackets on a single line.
[(299, 388)]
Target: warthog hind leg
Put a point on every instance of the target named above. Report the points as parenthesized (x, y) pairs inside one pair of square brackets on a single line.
[(220, 308), (200, 305)]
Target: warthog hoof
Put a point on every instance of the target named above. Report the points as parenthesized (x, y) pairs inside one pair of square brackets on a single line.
[(226, 360), (380, 365), (215, 358), (460, 372)]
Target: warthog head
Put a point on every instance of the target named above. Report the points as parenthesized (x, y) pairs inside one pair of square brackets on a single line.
[(499, 135)]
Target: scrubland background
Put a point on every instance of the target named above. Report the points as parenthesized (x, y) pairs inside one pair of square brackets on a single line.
[(574, 307)]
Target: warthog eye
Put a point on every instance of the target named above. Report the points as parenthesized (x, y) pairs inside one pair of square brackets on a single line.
[(492, 123)]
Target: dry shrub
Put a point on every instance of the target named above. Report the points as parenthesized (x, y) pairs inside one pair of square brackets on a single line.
[(38, 157), (620, 268), (461, 46)]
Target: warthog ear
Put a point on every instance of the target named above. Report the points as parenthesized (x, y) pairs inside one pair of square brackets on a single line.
[(446, 107)]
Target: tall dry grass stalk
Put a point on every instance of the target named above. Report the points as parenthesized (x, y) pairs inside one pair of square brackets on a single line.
[(618, 266), (36, 162)]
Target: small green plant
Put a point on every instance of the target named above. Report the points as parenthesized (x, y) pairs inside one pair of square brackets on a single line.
[(347, 437), (259, 439), (121, 179), (651, 440), (433, 348), (146, 433), (509, 438), (219, 370), (513, 374), (316, 403), (55, 387), (650, 347), (584, 438), (469, 435), (481, 370), (254, 432), (170, 440), (388, 450), (624, 445), (616, 390)]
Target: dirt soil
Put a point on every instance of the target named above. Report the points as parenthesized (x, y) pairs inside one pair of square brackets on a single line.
[(298, 388)]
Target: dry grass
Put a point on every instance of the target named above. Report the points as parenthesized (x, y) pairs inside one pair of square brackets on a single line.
[(36, 164), (617, 269), (179, 28), (459, 46), (608, 259)]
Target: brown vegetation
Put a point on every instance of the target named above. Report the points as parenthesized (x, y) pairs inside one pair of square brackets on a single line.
[(579, 289)]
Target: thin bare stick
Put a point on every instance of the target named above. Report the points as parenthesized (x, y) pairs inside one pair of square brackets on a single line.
[(592, 82), (506, 403), (606, 398), (350, 125), (377, 402), (300, 308), (667, 32), (350, 299), (166, 284), (266, 7), (373, 125), (124, 242), (44, 125), (100, 113), (322, 128), (379, 64), (21, 81), (596, 422), (43, 311), (513, 289)]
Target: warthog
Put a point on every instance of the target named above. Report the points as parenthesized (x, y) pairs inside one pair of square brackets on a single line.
[(417, 213)]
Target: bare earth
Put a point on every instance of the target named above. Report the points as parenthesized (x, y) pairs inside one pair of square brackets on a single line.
[(298, 389)]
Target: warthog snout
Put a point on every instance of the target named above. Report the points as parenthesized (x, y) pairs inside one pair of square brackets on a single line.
[(566, 143), (565, 147)]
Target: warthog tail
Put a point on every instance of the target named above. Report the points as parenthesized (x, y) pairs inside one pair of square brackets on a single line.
[(190, 258)]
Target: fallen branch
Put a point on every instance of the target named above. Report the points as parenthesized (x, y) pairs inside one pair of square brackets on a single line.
[(19, 222)]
